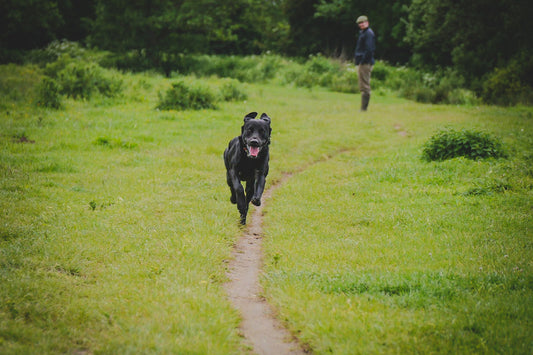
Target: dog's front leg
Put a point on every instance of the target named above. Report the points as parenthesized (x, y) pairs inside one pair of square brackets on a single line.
[(259, 187), (250, 189), (237, 194)]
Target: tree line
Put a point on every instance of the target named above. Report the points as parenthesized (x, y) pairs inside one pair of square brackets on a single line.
[(479, 40)]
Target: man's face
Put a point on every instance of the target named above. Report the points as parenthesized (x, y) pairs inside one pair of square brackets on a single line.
[(363, 25)]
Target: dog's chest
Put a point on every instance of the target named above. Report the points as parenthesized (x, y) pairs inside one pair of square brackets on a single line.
[(248, 168)]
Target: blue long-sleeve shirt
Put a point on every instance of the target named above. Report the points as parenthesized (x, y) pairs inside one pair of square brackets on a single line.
[(366, 45)]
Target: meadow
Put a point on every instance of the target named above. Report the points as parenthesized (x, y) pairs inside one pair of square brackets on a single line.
[(116, 225)]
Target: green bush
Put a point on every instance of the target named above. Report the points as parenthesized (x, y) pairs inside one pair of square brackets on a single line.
[(381, 71), (182, 97), (80, 79), (442, 87), (347, 81), (504, 86), (231, 90), (49, 93), (460, 96), (54, 51), (449, 143)]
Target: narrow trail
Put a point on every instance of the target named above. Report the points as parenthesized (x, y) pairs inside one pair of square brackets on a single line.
[(264, 333)]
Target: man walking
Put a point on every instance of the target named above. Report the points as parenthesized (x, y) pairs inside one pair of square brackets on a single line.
[(364, 59)]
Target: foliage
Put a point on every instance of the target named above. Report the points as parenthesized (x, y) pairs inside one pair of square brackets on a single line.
[(49, 94), (57, 49), (184, 97), (337, 29), (170, 28), (19, 83), (441, 87), (231, 90), (347, 81), (494, 59), (27, 24), (81, 79), (448, 144), (437, 28), (511, 84)]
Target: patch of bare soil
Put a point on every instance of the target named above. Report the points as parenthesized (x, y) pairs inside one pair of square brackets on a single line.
[(399, 128), (263, 332)]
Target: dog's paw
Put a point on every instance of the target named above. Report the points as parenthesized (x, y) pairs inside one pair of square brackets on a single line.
[(243, 220), (256, 201), (233, 199)]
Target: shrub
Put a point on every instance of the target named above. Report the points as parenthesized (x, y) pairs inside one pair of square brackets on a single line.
[(347, 81), (49, 93), (381, 71), (505, 87), (54, 51), (80, 79), (448, 144), (183, 97), (231, 90), (462, 97)]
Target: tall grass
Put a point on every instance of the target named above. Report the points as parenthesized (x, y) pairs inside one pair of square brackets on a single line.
[(116, 224)]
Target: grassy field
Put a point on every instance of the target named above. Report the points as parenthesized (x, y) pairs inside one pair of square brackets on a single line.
[(116, 225)]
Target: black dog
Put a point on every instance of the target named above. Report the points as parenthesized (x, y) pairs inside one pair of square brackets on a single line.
[(246, 159)]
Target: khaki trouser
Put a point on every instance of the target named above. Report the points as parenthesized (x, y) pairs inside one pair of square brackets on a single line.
[(363, 73)]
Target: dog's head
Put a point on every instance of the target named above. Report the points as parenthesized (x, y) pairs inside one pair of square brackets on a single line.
[(255, 134)]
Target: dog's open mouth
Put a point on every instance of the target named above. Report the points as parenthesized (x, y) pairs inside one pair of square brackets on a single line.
[(253, 151)]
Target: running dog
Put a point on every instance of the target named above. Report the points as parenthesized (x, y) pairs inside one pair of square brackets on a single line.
[(246, 159)]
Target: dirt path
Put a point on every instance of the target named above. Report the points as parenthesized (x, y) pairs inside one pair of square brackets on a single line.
[(264, 333)]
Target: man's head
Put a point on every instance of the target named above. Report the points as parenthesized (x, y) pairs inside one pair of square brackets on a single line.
[(362, 22)]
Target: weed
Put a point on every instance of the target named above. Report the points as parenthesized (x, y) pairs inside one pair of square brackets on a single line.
[(114, 143)]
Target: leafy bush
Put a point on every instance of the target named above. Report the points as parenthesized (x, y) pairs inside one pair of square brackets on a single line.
[(80, 79), (504, 86), (347, 81), (461, 96), (442, 87), (448, 144), (54, 51), (231, 90), (182, 97), (49, 93)]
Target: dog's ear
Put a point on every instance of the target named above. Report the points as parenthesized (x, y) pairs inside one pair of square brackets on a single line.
[(250, 116), (265, 117), (247, 118)]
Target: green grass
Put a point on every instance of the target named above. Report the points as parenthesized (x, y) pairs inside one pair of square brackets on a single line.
[(116, 225), (376, 251)]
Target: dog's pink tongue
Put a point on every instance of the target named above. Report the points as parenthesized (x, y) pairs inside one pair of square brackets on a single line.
[(254, 151)]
